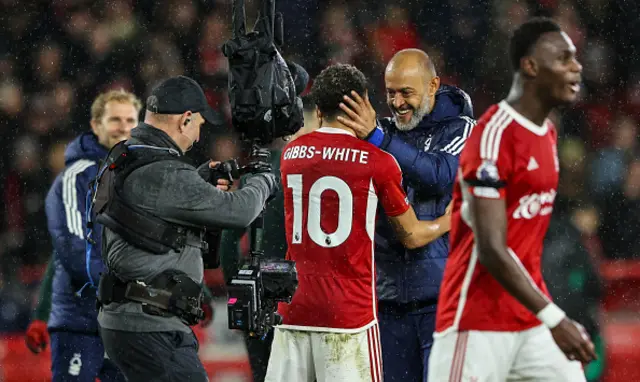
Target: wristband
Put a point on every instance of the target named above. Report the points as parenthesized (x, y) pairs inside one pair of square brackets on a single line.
[(551, 315), (375, 137)]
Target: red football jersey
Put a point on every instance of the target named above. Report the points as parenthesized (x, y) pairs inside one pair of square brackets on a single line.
[(507, 156), (332, 184)]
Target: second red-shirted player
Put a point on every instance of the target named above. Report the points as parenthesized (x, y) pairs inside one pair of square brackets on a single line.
[(495, 319)]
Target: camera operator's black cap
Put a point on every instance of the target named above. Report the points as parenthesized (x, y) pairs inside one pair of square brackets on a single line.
[(177, 95)]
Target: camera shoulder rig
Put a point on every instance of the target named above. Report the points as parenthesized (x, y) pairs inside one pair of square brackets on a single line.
[(138, 227), (171, 293)]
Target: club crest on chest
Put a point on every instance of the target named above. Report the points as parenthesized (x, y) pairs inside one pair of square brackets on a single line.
[(427, 143)]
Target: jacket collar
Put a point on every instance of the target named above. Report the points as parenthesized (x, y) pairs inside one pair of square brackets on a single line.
[(451, 102), (149, 135), (85, 146)]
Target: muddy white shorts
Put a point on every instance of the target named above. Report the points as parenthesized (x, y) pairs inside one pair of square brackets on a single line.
[(307, 356)]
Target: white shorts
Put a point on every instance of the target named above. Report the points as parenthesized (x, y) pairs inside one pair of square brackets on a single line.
[(307, 356), (482, 356)]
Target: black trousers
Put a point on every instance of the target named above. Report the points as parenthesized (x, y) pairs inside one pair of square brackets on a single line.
[(259, 351), (155, 356)]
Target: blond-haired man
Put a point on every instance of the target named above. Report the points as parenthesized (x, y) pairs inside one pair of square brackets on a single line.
[(77, 353)]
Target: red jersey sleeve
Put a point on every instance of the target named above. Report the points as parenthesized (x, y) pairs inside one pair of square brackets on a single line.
[(387, 179), (486, 164)]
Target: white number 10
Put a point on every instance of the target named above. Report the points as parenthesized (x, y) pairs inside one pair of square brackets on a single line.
[(345, 207)]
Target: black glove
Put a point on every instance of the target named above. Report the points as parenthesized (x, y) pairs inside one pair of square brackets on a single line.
[(258, 167), (226, 170), (204, 171)]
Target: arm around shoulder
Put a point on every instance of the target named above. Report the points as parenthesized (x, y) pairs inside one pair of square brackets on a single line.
[(414, 233), (410, 231)]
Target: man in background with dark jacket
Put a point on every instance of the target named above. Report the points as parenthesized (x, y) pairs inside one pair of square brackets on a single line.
[(77, 353), (426, 134)]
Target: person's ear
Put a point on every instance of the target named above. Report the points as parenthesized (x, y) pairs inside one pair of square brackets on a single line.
[(94, 126), (319, 115), (434, 85), (529, 66), (185, 120)]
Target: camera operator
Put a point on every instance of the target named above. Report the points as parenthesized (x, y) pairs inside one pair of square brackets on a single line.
[(150, 296)]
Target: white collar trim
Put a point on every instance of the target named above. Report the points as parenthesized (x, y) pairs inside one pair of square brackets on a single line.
[(333, 130), (524, 121)]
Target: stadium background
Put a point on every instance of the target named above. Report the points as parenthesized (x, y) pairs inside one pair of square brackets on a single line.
[(56, 55)]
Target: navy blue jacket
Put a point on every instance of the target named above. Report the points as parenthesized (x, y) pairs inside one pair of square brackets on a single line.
[(66, 217), (428, 156)]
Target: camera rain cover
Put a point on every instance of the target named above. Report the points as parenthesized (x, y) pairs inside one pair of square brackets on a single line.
[(262, 93)]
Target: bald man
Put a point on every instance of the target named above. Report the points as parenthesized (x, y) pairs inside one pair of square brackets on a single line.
[(426, 134)]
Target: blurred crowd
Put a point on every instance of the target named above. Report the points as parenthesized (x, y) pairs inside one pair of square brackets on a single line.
[(57, 55)]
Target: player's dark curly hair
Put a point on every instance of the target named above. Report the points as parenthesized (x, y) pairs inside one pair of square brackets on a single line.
[(334, 82), (526, 36)]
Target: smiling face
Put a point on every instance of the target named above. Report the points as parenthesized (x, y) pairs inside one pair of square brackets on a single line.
[(556, 69), (116, 123), (411, 89), (113, 115)]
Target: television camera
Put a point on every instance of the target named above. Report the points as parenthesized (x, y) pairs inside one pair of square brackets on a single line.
[(265, 105)]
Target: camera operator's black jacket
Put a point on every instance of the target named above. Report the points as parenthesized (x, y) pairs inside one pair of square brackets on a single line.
[(173, 191)]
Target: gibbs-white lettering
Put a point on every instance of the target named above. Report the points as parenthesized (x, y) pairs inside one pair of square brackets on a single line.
[(328, 153)]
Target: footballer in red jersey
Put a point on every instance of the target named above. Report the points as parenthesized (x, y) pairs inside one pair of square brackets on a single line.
[(333, 183), (495, 318)]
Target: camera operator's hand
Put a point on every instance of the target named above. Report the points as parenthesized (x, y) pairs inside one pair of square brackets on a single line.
[(204, 170), (223, 184)]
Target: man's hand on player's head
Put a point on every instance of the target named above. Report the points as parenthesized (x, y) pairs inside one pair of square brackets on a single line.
[(574, 341), (362, 116)]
